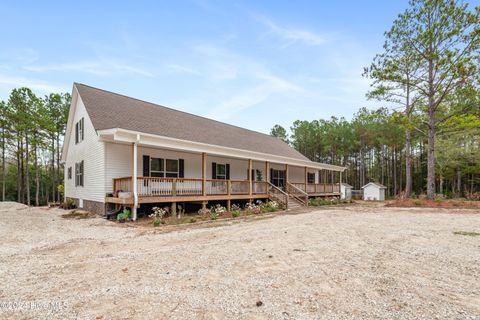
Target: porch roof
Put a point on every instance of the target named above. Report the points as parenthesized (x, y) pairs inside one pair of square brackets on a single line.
[(119, 135)]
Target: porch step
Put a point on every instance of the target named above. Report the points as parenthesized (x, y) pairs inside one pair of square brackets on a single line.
[(294, 203)]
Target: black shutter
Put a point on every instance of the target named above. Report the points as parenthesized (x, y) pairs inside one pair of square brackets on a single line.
[(83, 128), (146, 166), (76, 132), (181, 168), (76, 172), (214, 170), (81, 173), (227, 171), (271, 174), (252, 173)]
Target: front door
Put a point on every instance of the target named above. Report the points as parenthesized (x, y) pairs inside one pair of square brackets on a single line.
[(277, 178)]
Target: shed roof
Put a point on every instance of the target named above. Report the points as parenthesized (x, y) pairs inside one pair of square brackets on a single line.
[(378, 185)]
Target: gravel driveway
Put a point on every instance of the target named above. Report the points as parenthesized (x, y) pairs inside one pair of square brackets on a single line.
[(359, 262)]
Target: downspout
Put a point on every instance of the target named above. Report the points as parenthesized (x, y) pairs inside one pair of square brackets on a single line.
[(135, 178)]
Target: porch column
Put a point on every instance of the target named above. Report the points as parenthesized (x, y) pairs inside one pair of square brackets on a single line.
[(267, 178), (306, 179), (340, 183), (286, 174), (204, 174), (250, 182), (134, 180)]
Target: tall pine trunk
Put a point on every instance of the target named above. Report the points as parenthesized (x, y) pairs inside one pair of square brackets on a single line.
[(408, 163), (54, 178), (27, 170), (19, 173), (37, 179), (3, 165)]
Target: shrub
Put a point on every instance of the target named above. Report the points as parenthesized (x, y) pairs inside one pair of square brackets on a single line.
[(253, 208), (270, 206), (69, 204), (474, 196), (203, 212), (157, 215), (219, 209), (235, 213), (193, 220)]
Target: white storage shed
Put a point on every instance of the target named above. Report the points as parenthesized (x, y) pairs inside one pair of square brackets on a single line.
[(374, 191)]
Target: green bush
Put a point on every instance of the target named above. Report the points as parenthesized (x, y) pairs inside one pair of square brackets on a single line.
[(235, 213), (193, 220)]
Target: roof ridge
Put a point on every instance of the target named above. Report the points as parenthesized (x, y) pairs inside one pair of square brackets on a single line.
[(176, 110)]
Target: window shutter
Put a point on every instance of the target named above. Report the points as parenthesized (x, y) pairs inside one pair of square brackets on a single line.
[(81, 175), (146, 166), (271, 174), (83, 128), (227, 171), (214, 170), (76, 132), (181, 168), (252, 174), (76, 174)]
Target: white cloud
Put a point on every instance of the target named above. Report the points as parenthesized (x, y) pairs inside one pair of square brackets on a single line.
[(9, 82), (291, 35), (182, 69), (250, 96), (103, 67)]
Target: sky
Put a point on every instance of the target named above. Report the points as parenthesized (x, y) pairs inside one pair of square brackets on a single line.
[(249, 63)]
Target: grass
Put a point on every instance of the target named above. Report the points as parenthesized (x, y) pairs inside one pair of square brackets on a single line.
[(466, 233)]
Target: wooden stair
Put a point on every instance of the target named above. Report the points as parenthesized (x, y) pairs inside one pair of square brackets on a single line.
[(293, 203)]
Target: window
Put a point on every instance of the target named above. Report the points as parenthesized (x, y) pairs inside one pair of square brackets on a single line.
[(79, 174), (221, 171), (79, 131), (310, 177), (278, 178), (160, 167), (171, 168), (157, 167), (69, 173)]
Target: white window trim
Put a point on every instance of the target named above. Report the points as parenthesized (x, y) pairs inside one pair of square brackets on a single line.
[(218, 176), (164, 171)]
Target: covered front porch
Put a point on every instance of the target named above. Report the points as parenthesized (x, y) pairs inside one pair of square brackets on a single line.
[(143, 170)]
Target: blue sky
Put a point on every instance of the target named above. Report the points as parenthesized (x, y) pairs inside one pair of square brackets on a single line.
[(248, 63)]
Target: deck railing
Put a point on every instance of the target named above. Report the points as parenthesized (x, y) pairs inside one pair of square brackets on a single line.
[(153, 186), (278, 195), (158, 187), (297, 193), (318, 188)]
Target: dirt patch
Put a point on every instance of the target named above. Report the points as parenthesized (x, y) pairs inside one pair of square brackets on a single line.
[(449, 204), (362, 262), (78, 214)]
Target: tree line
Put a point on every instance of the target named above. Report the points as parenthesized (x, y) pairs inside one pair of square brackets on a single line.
[(428, 72), (31, 136)]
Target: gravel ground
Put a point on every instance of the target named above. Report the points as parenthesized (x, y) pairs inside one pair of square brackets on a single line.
[(358, 262)]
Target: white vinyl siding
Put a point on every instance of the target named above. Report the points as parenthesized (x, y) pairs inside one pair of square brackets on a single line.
[(92, 152)]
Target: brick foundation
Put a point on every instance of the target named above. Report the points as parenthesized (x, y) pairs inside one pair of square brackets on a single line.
[(92, 206)]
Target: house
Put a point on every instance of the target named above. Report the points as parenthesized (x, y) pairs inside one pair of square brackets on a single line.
[(374, 191), (345, 191), (121, 151)]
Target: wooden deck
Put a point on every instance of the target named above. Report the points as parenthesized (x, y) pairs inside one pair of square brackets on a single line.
[(158, 190)]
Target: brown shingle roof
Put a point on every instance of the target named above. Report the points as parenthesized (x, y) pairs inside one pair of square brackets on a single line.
[(109, 110)]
